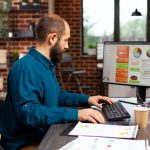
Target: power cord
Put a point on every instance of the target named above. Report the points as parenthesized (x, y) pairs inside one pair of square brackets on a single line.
[(138, 96)]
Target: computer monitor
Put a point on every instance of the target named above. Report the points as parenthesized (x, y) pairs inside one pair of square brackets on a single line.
[(127, 63)]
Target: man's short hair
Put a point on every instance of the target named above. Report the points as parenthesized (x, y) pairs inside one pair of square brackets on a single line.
[(50, 23)]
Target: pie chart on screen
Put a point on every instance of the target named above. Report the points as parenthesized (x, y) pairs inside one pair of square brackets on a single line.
[(137, 52), (148, 53)]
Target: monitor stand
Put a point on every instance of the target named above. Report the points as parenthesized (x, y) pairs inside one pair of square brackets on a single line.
[(141, 94), (141, 97)]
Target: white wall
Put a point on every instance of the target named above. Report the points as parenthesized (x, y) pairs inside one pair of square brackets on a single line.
[(123, 91)]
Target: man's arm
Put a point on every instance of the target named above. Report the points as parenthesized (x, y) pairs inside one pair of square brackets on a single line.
[(37, 115), (72, 99), (26, 101)]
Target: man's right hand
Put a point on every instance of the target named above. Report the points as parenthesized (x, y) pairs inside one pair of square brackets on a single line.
[(90, 115)]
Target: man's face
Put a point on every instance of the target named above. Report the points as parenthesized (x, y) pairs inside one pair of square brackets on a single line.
[(56, 52)]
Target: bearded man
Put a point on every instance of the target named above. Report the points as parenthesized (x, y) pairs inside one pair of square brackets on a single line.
[(34, 99)]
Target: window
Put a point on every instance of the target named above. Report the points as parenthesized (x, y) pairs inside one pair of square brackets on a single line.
[(133, 28), (98, 22)]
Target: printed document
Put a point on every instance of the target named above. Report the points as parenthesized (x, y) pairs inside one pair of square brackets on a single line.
[(98, 143), (104, 130)]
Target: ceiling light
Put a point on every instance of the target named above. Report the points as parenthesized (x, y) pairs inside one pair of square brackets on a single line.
[(136, 13)]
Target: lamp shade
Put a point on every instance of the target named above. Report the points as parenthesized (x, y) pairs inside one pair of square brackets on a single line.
[(136, 13)]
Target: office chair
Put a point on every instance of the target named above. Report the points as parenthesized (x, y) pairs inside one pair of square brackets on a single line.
[(67, 71)]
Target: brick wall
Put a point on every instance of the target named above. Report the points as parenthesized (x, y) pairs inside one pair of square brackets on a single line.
[(18, 21), (71, 11)]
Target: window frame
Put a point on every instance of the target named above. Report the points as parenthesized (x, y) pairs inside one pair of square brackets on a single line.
[(116, 35)]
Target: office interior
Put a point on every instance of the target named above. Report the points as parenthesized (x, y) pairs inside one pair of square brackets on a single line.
[(19, 37), (113, 20)]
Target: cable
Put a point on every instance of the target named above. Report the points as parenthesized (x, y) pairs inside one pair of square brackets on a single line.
[(138, 96), (141, 101)]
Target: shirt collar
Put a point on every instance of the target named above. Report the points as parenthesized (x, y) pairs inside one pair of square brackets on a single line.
[(46, 62)]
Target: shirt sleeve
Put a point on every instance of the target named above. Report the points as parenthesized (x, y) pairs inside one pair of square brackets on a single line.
[(72, 99), (27, 97)]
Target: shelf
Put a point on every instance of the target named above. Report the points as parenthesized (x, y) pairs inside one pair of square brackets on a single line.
[(28, 8), (31, 7), (18, 39), (24, 34), (21, 38)]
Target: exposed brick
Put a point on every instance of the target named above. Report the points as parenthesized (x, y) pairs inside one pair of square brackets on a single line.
[(71, 11)]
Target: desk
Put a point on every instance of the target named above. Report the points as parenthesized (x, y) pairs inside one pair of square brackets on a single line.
[(57, 135)]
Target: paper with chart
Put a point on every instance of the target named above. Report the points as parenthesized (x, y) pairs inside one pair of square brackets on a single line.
[(104, 130), (98, 143)]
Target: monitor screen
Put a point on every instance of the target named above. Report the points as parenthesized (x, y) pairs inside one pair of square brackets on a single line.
[(127, 63)]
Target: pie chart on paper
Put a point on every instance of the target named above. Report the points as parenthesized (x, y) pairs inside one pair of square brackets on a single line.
[(137, 52)]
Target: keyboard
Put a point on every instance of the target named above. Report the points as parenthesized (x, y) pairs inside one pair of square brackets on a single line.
[(115, 112)]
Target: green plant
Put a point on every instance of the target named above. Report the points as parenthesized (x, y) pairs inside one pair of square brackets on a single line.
[(92, 46), (36, 1), (24, 1), (5, 7), (15, 54)]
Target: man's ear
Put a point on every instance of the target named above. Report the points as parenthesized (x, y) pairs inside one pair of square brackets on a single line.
[(52, 38)]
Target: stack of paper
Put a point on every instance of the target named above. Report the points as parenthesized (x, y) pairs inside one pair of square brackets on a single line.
[(104, 130), (93, 137), (98, 143)]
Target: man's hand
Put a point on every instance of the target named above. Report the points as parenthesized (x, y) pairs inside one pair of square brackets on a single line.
[(95, 100), (90, 115)]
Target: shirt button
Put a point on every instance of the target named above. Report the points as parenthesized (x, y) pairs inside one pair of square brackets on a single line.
[(51, 65)]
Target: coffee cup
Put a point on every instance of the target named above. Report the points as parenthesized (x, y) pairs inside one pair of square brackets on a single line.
[(141, 116)]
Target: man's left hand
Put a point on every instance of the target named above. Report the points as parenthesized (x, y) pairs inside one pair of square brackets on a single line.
[(96, 100)]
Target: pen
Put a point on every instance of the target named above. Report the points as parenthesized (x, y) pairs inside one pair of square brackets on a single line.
[(128, 102)]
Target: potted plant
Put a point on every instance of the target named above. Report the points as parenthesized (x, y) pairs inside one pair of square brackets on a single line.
[(15, 54), (92, 49), (36, 2)]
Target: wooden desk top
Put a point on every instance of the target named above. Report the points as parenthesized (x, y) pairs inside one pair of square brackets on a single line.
[(57, 135)]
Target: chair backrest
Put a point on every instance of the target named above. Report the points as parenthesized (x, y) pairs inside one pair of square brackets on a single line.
[(65, 65), (67, 58)]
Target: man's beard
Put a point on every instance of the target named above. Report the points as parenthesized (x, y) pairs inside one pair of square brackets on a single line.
[(56, 53)]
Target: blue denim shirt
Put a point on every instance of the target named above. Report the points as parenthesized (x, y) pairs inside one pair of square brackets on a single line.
[(34, 101)]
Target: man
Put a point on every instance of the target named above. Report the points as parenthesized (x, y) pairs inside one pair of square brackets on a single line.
[(34, 99)]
